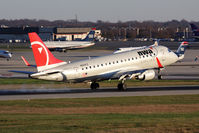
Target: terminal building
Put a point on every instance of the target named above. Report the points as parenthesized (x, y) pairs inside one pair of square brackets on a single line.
[(72, 34), (20, 34)]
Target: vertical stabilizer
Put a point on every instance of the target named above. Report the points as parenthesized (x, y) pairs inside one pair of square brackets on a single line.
[(43, 57), (181, 49), (90, 36)]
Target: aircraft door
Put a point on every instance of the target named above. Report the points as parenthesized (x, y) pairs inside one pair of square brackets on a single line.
[(76, 72)]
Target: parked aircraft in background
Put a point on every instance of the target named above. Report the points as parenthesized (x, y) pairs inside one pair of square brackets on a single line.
[(137, 64), (119, 50), (5, 54), (195, 31), (63, 46)]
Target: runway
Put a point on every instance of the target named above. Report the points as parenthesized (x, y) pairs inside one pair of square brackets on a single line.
[(30, 94)]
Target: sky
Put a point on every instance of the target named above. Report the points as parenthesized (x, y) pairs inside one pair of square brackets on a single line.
[(105, 10)]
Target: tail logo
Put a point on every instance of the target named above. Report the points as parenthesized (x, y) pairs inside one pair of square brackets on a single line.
[(40, 53), (40, 50)]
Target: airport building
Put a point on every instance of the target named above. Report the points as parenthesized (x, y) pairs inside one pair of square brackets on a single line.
[(71, 34), (20, 34)]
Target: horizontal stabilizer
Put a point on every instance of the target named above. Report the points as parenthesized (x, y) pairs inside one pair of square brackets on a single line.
[(23, 72)]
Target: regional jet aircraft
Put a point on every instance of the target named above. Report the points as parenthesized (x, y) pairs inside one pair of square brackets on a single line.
[(5, 54), (63, 46), (135, 64)]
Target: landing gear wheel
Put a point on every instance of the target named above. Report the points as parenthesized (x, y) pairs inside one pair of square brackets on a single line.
[(160, 77), (94, 86), (121, 86)]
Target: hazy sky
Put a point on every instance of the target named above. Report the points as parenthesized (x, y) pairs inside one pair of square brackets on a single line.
[(106, 10)]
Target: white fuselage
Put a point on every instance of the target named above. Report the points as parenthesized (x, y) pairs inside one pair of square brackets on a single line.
[(68, 44), (111, 66)]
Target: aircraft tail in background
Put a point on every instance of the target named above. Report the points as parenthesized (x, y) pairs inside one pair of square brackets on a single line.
[(90, 36), (181, 50)]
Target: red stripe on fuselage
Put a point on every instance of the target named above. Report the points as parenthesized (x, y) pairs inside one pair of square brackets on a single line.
[(159, 64)]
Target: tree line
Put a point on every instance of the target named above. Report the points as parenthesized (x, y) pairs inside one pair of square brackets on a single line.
[(118, 30)]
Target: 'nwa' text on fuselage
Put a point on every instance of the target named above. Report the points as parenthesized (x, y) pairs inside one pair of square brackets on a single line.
[(145, 52)]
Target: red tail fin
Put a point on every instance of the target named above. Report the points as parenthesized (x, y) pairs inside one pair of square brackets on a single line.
[(43, 57)]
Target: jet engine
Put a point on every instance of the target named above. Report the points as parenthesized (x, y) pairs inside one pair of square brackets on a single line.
[(49, 76), (146, 75)]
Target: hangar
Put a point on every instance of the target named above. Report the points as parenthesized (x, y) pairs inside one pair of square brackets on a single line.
[(73, 33), (20, 34)]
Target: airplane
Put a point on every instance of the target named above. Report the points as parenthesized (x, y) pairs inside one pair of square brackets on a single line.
[(139, 64), (63, 46), (5, 54), (195, 31)]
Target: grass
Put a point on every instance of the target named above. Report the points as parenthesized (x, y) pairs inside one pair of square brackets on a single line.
[(99, 102), (157, 114), (102, 123)]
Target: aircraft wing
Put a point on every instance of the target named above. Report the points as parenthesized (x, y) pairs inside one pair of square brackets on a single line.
[(122, 73)]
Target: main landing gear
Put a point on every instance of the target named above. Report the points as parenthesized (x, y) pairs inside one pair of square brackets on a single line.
[(121, 85), (94, 86)]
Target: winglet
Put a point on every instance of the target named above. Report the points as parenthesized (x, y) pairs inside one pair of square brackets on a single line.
[(25, 61)]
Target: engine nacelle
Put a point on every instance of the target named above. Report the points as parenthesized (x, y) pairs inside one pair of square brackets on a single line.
[(51, 77), (146, 75)]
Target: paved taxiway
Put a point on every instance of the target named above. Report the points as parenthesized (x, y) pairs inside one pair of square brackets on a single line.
[(87, 93)]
